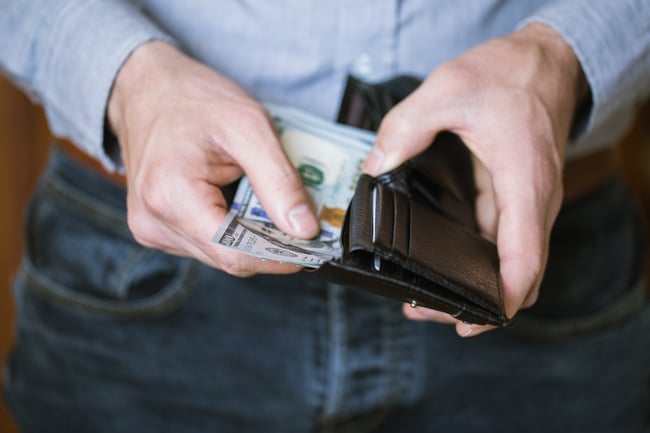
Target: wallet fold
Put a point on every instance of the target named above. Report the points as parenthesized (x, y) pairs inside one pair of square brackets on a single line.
[(411, 233)]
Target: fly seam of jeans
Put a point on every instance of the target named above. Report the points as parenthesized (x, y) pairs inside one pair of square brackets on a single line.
[(393, 336), (337, 339)]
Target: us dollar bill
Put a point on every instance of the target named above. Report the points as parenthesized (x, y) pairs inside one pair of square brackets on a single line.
[(329, 159)]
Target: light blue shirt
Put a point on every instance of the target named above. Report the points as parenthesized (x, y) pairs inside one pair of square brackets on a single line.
[(66, 53)]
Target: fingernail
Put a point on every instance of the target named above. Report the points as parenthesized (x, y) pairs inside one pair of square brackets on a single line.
[(374, 161), (302, 219)]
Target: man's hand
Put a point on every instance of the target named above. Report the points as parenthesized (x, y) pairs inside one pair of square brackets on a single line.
[(512, 101), (185, 131)]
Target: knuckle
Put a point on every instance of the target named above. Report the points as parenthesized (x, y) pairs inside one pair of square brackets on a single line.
[(145, 216), (531, 299), (155, 198), (252, 116), (456, 76), (141, 229), (234, 265), (536, 264), (288, 177), (399, 122), (283, 183)]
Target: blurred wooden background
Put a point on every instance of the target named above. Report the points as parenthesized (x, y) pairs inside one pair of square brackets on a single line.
[(24, 149)]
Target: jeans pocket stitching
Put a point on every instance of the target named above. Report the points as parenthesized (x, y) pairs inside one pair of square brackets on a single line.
[(167, 300), (551, 329)]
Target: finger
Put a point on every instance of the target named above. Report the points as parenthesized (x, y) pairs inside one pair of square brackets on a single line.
[(521, 256), (404, 132), (196, 237), (401, 136), (525, 219), (486, 214), (426, 314), (407, 130), (471, 330), (229, 261), (276, 182), (169, 229)]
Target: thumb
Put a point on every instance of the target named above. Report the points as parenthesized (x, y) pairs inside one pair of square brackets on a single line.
[(407, 130), (280, 189)]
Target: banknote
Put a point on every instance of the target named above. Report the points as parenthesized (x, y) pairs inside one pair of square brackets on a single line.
[(329, 159)]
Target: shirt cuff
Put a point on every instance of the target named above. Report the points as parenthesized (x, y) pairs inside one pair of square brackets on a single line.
[(611, 40), (88, 43)]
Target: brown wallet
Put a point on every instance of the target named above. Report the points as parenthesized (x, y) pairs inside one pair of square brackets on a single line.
[(411, 233)]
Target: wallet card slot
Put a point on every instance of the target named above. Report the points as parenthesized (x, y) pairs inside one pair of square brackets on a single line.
[(360, 216), (401, 242), (384, 215), (375, 224), (378, 220)]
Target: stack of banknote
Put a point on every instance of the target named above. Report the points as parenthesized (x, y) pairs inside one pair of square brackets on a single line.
[(329, 158)]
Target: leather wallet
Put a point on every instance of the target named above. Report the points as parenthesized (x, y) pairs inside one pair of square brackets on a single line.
[(411, 233)]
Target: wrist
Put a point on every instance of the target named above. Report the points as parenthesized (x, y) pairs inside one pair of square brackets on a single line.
[(131, 80), (556, 50)]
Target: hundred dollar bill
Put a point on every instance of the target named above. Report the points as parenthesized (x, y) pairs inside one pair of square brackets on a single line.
[(329, 159)]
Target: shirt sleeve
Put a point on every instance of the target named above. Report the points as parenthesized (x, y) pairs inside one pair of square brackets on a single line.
[(66, 53), (611, 40)]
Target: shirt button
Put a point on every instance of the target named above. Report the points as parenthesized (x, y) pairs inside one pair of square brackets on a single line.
[(367, 68)]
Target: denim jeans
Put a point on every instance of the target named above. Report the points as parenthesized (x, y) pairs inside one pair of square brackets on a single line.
[(115, 337)]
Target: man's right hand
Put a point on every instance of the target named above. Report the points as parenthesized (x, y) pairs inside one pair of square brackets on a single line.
[(185, 131)]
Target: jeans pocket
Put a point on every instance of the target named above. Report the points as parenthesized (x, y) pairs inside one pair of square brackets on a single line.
[(82, 256), (595, 273), (546, 328)]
